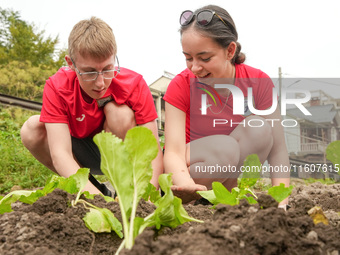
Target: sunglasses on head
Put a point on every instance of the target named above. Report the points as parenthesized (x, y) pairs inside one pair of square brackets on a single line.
[(204, 18)]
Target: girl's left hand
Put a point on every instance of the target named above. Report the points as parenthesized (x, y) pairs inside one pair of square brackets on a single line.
[(188, 193)]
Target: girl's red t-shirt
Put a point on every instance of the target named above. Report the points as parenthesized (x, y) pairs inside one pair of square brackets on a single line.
[(184, 92)]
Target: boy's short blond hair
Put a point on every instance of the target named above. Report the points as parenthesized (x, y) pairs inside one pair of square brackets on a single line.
[(92, 38)]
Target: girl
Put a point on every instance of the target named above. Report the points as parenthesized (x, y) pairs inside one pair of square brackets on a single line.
[(203, 136)]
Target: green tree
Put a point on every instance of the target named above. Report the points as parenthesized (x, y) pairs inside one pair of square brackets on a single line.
[(27, 57), (21, 79), (21, 41)]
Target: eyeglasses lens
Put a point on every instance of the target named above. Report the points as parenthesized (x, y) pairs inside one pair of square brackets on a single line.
[(204, 18), (186, 17)]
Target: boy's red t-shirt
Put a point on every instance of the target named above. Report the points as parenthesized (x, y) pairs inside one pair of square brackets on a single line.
[(63, 101)]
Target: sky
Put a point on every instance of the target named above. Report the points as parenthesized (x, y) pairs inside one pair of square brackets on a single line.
[(300, 36)]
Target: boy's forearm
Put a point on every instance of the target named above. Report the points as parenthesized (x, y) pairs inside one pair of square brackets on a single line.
[(68, 167), (65, 164)]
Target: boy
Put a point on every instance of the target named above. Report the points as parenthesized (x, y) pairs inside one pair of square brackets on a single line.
[(81, 100)]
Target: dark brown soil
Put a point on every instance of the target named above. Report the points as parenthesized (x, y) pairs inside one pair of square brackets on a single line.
[(53, 226)]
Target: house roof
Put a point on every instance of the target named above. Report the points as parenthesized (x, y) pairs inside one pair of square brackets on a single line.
[(320, 113), (161, 84)]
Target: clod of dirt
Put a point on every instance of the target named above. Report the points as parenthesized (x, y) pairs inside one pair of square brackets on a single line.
[(57, 203), (266, 201)]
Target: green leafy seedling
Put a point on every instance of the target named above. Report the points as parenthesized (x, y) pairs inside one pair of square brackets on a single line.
[(71, 185), (97, 219), (128, 167), (333, 154), (220, 195), (280, 193), (252, 165)]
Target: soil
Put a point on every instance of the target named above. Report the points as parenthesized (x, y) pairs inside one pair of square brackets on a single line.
[(53, 226)]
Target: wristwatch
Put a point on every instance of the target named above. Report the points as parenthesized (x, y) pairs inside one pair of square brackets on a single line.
[(103, 101), (284, 207)]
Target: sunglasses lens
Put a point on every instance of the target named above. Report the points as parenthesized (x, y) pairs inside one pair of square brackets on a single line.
[(185, 18), (204, 17)]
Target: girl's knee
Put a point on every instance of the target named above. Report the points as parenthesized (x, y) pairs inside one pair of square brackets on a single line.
[(213, 158), (258, 130), (230, 151), (222, 149)]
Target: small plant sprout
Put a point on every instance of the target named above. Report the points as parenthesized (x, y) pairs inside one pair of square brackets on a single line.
[(220, 195), (333, 155)]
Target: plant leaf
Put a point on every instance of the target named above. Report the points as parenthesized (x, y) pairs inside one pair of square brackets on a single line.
[(318, 215), (251, 200), (151, 194), (75, 182), (102, 220), (95, 221), (209, 195), (223, 195), (333, 153), (138, 226), (279, 193), (5, 208), (253, 166), (72, 184), (128, 166), (116, 165), (170, 211), (113, 221), (142, 148), (33, 197), (6, 201)]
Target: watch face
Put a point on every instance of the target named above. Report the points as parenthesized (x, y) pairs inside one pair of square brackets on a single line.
[(103, 101)]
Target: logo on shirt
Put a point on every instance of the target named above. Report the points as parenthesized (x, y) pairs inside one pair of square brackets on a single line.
[(210, 93), (81, 118)]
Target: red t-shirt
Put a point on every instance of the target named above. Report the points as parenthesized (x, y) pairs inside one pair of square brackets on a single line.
[(184, 92), (63, 101)]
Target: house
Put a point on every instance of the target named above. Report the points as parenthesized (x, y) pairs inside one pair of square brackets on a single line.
[(308, 139), (158, 89)]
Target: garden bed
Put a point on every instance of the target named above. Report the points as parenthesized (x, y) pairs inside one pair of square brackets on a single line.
[(53, 226)]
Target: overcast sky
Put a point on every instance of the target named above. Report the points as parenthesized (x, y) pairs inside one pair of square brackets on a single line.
[(300, 36)]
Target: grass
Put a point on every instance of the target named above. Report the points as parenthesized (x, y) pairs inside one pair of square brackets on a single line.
[(326, 181), (17, 166)]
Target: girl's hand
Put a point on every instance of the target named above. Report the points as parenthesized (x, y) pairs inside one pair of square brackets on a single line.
[(284, 204), (188, 193)]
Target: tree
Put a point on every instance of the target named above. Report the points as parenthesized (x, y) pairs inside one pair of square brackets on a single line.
[(21, 79), (21, 41), (27, 56)]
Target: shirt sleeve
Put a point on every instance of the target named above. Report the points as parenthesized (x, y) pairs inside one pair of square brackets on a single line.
[(178, 93), (53, 110), (141, 102)]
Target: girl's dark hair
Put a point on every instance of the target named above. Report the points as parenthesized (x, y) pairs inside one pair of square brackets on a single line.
[(218, 31)]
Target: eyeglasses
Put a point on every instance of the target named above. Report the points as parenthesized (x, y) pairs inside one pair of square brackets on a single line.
[(204, 18), (92, 76)]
